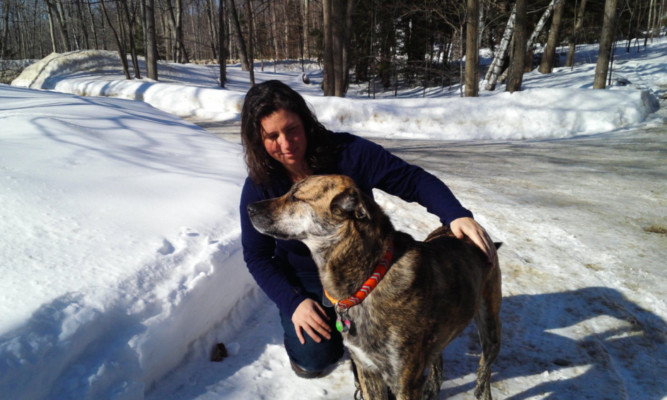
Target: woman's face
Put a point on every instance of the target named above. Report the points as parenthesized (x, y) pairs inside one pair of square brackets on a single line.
[(284, 138)]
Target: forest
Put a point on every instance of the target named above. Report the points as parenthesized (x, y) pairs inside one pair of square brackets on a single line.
[(391, 42)]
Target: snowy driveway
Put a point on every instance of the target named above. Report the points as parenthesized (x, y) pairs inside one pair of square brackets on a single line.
[(583, 222)]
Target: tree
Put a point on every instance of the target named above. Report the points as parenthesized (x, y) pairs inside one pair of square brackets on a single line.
[(498, 57), (245, 63), (518, 60), (547, 64), (223, 48), (56, 16), (472, 49), (336, 15), (328, 68), (251, 44), (130, 19), (151, 39), (579, 22), (122, 52), (606, 40), (175, 15), (211, 16), (538, 30)]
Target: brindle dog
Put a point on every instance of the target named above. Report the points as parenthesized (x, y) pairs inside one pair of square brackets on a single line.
[(431, 292)]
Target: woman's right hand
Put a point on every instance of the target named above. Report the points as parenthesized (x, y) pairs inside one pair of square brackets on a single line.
[(310, 317)]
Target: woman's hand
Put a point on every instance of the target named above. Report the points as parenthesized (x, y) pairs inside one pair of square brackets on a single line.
[(311, 317), (467, 226)]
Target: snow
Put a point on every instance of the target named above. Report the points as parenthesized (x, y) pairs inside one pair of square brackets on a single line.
[(120, 251)]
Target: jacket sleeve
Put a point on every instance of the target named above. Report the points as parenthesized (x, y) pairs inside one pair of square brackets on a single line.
[(374, 167), (259, 255)]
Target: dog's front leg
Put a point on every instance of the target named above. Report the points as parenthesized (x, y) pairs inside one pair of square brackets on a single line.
[(372, 385), (434, 380)]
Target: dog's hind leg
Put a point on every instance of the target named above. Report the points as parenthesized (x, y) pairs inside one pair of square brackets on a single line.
[(434, 380), (489, 328)]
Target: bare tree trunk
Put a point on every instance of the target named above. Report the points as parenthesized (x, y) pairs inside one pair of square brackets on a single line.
[(82, 24), (55, 12), (497, 64), (181, 52), (518, 62), (251, 44), (547, 64), (345, 79), (176, 21), (245, 65), (151, 40), (133, 48), (306, 27), (211, 15), (121, 47), (54, 46), (328, 79), (606, 40), (579, 22), (62, 22), (93, 25), (5, 31), (337, 16), (337, 45), (472, 51), (223, 44), (274, 30), (649, 27)]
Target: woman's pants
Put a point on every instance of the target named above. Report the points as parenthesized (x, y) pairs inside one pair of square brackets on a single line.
[(313, 356)]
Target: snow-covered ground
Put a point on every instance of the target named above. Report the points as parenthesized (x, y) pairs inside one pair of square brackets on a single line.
[(120, 254)]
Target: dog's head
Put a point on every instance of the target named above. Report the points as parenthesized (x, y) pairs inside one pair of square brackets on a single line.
[(315, 210)]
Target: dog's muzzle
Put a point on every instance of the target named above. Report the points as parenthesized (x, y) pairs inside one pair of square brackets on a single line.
[(258, 215)]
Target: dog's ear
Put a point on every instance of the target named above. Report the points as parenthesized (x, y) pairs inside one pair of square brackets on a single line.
[(349, 203)]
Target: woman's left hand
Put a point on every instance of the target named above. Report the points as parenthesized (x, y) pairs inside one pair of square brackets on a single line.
[(467, 226)]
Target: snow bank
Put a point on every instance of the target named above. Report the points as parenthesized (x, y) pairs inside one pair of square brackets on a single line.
[(533, 113), (536, 113), (121, 244)]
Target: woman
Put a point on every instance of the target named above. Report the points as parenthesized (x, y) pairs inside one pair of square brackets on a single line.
[(284, 143)]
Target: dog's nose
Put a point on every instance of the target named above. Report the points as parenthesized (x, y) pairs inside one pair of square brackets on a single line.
[(252, 209)]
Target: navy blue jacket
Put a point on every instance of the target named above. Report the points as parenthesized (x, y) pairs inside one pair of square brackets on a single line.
[(278, 265)]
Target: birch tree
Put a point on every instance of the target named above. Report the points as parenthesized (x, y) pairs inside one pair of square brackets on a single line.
[(539, 27), (606, 40), (501, 51)]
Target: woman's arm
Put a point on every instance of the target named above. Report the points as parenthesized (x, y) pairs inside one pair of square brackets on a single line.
[(371, 166), (374, 167)]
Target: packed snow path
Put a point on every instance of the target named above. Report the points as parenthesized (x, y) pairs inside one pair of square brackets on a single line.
[(581, 221)]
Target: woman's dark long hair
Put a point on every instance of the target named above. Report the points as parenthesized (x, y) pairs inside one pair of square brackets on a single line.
[(263, 100)]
